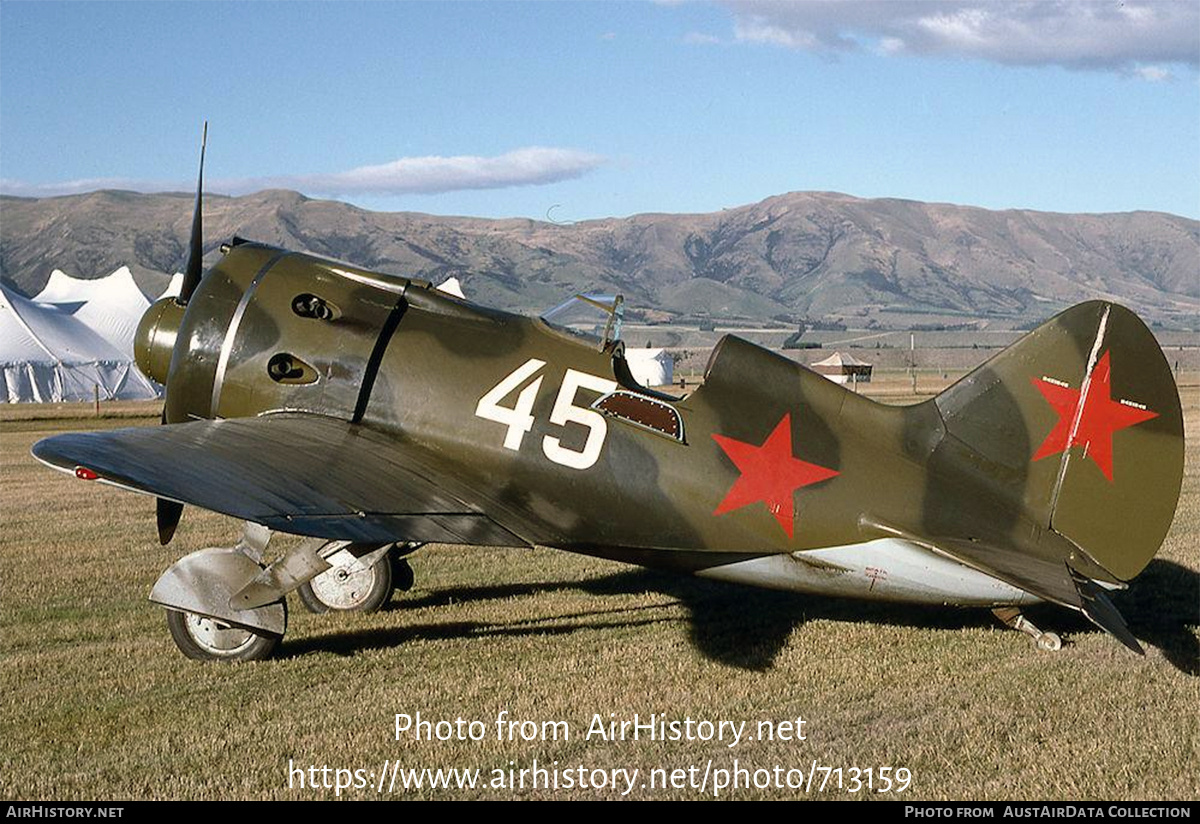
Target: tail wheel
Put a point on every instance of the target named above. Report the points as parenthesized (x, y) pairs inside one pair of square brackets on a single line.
[(1049, 642), (207, 639), (348, 587)]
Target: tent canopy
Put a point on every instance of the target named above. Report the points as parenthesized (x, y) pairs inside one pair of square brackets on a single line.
[(841, 359), (74, 340)]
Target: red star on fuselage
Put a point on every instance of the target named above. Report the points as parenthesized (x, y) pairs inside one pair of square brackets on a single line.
[(770, 473), (1088, 417)]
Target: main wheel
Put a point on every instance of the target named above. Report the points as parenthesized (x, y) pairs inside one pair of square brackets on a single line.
[(345, 588), (207, 639)]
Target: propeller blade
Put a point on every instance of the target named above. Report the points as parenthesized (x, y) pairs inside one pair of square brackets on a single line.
[(195, 261), (167, 514)]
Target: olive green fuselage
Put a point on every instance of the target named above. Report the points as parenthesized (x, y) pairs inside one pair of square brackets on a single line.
[(399, 356)]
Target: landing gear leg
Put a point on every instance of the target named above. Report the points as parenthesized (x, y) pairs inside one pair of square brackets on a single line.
[(226, 604), (1012, 617)]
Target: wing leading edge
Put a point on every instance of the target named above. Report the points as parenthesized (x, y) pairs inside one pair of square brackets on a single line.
[(297, 473)]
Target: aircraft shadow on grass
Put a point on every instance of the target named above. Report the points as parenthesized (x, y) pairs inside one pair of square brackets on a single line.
[(747, 628)]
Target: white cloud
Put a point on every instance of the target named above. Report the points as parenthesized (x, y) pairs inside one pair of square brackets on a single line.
[(760, 30), (1081, 34), (531, 166), (1153, 73), (20, 188)]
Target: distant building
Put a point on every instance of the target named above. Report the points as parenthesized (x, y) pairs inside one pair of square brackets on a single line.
[(842, 368)]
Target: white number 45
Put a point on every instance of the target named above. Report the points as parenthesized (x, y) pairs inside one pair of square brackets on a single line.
[(519, 418)]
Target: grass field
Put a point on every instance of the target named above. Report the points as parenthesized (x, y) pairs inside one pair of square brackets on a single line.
[(98, 704)]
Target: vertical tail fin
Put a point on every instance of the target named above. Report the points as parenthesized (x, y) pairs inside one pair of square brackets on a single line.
[(1083, 418)]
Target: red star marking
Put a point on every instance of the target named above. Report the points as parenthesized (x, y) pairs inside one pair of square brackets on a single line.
[(1088, 417), (770, 473)]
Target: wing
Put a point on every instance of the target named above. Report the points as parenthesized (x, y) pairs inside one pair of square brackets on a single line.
[(297, 473)]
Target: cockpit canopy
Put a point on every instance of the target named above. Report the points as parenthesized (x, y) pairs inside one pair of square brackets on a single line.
[(593, 317)]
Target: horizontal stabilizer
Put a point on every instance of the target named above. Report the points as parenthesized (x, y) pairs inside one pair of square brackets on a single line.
[(1052, 581), (1048, 579)]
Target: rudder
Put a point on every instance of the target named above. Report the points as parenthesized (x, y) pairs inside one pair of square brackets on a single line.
[(1082, 420)]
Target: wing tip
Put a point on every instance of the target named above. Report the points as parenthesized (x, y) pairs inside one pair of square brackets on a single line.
[(44, 452)]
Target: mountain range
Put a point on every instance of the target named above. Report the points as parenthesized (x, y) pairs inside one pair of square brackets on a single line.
[(816, 255)]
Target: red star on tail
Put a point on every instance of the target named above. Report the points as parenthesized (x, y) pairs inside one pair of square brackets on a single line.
[(770, 473), (1088, 420)]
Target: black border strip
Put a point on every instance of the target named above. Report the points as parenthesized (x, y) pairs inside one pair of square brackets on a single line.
[(381, 344)]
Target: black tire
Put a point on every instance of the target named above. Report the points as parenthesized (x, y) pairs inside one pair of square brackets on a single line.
[(336, 590), (206, 639)]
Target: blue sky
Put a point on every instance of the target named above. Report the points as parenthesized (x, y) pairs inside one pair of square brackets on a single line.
[(581, 110)]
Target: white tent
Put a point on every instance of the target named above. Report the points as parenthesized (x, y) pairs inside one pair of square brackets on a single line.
[(110, 306), (78, 342), (452, 286), (843, 368), (174, 287), (650, 367)]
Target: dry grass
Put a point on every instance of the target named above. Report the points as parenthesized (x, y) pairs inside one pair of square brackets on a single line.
[(97, 703), (10, 412)]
